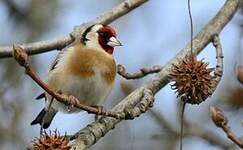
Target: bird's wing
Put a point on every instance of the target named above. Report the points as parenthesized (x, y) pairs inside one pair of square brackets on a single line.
[(52, 67), (57, 59)]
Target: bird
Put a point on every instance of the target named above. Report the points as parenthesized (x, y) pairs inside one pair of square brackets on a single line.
[(86, 70)]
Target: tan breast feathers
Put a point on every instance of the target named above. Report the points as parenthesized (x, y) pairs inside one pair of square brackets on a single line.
[(83, 62)]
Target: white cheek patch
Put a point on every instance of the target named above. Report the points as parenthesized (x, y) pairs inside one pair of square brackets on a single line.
[(93, 41), (96, 27), (92, 37)]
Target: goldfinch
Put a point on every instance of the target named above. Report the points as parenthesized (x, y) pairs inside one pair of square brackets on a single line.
[(86, 70)]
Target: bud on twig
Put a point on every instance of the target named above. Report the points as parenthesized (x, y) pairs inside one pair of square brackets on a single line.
[(20, 55), (218, 117)]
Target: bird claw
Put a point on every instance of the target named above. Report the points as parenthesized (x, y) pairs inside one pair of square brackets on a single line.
[(72, 100), (100, 111)]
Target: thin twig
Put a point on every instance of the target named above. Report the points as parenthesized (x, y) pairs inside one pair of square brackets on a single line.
[(142, 73), (191, 25), (218, 72), (221, 121), (182, 124), (231, 135)]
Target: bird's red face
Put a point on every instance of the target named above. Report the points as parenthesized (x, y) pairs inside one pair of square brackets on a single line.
[(107, 39), (102, 36)]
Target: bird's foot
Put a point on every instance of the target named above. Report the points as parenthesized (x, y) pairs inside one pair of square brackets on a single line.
[(101, 111)]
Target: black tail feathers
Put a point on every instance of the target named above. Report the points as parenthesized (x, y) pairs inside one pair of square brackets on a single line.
[(44, 118), (42, 95)]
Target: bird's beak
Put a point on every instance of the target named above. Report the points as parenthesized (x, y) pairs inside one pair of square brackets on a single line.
[(114, 42)]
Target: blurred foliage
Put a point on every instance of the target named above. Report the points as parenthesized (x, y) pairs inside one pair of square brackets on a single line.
[(34, 18)]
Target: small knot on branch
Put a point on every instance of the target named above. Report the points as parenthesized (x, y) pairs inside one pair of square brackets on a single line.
[(128, 114), (126, 5), (20, 55)]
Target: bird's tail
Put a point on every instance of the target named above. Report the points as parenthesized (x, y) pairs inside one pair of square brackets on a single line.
[(44, 118)]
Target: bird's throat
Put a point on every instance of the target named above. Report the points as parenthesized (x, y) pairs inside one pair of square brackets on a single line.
[(110, 50)]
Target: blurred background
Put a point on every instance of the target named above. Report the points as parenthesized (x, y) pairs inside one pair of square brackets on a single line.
[(151, 34)]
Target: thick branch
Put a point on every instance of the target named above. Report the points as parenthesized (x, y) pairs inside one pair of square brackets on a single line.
[(93, 132), (59, 43)]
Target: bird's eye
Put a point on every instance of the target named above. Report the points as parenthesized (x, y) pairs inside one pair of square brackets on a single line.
[(103, 34)]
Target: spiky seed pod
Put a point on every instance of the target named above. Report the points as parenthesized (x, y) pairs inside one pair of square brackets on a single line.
[(192, 80), (51, 141)]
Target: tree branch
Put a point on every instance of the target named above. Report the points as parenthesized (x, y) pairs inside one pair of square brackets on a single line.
[(61, 42), (218, 72), (142, 73), (94, 131)]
